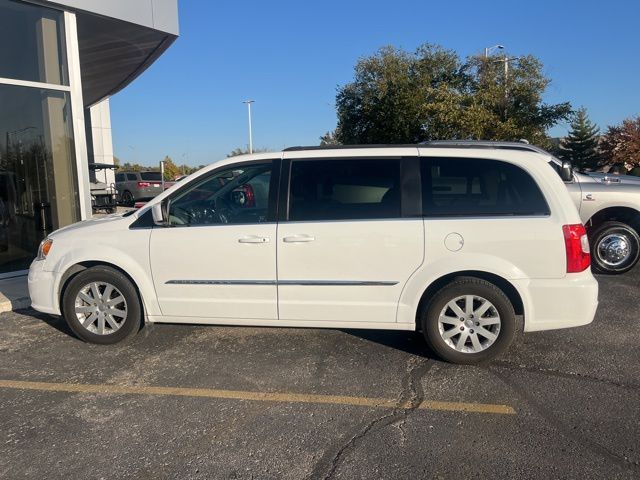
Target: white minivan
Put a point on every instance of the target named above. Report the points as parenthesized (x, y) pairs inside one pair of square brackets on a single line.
[(469, 245)]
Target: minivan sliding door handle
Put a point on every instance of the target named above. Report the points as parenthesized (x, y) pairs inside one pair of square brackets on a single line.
[(253, 239), (298, 239)]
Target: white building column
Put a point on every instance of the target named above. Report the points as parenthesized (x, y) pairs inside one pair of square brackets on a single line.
[(101, 140), (77, 113)]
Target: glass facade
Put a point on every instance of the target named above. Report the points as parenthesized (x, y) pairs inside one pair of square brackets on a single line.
[(38, 177), (32, 43)]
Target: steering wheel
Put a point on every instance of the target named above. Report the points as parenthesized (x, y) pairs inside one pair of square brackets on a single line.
[(208, 216), (197, 215), (181, 216)]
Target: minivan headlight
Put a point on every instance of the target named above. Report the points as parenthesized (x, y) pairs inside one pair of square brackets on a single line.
[(44, 248)]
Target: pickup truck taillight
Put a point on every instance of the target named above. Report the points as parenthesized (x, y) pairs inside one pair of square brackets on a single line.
[(577, 246), (144, 184)]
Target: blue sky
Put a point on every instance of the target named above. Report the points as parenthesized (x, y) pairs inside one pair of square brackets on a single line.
[(290, 56)]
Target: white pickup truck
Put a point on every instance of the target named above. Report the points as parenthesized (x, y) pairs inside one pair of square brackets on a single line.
[(609, 207)]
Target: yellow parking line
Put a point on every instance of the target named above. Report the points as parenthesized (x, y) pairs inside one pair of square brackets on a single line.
[(253, 396)]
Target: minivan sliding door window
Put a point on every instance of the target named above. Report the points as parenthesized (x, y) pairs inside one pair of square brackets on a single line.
[(344, 189)]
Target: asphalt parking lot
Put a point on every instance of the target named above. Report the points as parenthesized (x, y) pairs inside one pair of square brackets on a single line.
[(231, 402)]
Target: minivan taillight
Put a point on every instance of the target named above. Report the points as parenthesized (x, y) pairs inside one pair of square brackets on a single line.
[(577, 246)]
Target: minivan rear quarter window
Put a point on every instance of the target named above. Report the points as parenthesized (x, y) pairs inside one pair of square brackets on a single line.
[(478, 187), (344, 189)]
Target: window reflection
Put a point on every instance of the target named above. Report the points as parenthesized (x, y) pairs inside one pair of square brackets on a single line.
[(38, 182), (32, 43)]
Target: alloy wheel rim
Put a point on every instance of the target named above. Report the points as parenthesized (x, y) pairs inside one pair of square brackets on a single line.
[(469, 324), (101, 308), (614, 249)]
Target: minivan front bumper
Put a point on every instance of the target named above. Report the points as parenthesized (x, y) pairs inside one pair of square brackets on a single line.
[(567, 302), (41, 289)]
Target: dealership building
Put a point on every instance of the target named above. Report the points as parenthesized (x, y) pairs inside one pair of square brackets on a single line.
[(60, 61)]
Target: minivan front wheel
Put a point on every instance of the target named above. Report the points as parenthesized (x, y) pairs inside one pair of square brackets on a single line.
[(101, 305), (469, 321)]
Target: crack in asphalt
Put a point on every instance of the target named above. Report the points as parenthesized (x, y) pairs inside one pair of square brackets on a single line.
[(563, 428), (410, 398), (557, 373)]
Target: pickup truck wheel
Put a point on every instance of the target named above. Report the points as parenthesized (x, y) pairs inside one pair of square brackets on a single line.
[(469, 321), (102, 306), (615, 247)]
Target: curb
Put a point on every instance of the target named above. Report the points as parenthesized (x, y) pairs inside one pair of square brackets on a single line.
[(7, 305)]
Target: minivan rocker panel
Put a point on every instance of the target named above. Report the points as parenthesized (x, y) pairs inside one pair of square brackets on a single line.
[(467, 245)]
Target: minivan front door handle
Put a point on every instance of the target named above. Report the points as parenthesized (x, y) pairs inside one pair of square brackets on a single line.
[(253, 239), (299, 239)]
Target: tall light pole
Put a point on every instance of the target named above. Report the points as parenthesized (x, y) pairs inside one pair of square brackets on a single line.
[(249, 102), (488, 50), (506, 59)]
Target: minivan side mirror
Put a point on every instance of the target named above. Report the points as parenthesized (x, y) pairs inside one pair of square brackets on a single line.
[(566, 172), (158, 212)]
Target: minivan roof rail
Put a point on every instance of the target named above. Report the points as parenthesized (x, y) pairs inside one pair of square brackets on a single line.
[(348, 147), (484, 144), (433, 144)]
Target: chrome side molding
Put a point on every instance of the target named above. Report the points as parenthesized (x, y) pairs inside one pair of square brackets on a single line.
[(311, 283)]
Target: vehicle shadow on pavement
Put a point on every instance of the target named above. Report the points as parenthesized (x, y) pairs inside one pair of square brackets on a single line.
[(409, 342), (53, 321)]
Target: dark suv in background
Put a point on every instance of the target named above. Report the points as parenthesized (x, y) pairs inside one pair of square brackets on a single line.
[(138, 186)]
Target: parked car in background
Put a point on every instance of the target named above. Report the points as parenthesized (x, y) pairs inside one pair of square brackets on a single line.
[(468, 245), (609, 206), (138, 186)]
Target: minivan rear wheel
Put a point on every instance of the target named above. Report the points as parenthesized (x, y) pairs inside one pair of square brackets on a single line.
[(101, 305), (469, 321)]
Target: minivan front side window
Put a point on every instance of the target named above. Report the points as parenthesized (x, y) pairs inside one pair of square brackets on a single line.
[(232, 196)]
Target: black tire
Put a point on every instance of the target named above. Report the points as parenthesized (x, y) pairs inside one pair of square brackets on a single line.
[(131, 323), (598, 239), (460, 287), (127, 198)]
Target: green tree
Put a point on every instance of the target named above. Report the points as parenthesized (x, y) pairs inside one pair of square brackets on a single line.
[(621, 144), (171, 170), (131, 167), (244, 151), (329, 138), (580, 146), (401, 97)]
